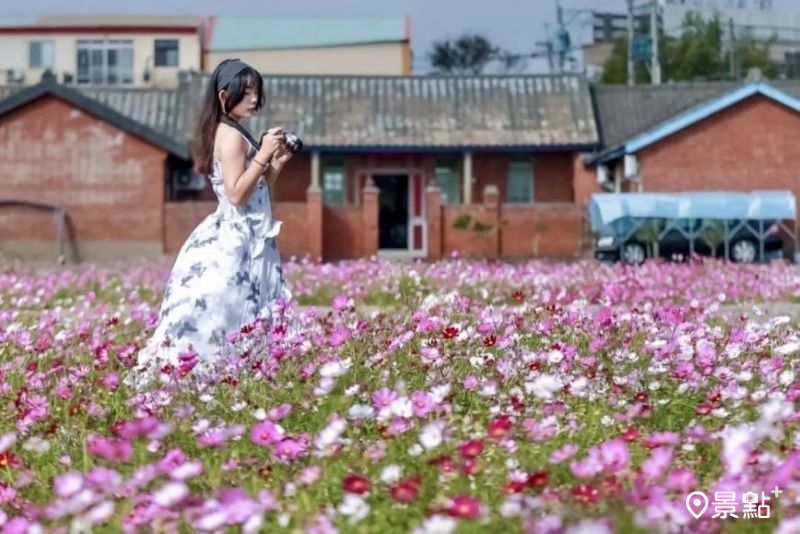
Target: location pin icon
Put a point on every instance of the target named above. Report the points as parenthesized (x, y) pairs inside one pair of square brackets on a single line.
[(696, 503)]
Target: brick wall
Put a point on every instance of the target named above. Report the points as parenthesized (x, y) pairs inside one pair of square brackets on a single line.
[(469, 241), (110, 182), (552, 175), (507, 230), (752, 145), (294, 180), (584, 181), (341, 232), (540, 230)]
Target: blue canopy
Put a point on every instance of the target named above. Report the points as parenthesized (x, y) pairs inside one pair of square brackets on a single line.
[(605, 208)]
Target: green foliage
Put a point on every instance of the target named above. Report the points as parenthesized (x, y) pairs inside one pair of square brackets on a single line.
[(462, 222), (700, 53)]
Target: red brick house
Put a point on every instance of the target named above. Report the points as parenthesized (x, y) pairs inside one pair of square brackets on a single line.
[(700, 137), (74, 168)]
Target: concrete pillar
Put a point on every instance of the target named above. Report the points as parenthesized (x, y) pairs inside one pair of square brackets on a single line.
[(467, 178), (491, 204), (315, 173), (433, 218)]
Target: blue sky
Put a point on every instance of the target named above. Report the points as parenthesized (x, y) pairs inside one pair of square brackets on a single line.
[(515, 25)]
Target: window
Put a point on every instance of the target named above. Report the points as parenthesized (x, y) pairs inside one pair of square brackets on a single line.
[(446, 179), (166, 52), (333, 183), (105, 62), (520, 181), (41, 54)]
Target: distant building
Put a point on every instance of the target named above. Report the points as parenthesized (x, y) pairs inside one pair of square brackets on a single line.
[(118, 51), (359, 46), (154, 51), (760, 24)]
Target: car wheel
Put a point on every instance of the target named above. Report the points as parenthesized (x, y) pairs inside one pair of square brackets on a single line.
[(744, 251), (633, 254)]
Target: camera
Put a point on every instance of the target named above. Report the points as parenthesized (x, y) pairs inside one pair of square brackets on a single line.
[(292, 142)]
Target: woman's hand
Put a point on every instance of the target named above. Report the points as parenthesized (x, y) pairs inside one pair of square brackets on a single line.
[(271, 141), (281, 156)]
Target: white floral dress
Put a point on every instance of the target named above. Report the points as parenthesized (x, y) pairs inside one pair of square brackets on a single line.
[(227, 274)]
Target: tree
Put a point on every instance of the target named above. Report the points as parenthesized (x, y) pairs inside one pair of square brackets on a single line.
[(699, 53), (470, 54)]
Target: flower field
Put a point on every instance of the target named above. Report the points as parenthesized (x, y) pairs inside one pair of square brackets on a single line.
[(457, 396)]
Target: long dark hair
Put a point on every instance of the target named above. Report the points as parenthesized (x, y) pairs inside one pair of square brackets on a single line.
[(212, 111)]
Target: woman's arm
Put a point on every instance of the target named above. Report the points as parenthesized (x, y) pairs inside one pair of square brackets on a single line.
[(239, 182)]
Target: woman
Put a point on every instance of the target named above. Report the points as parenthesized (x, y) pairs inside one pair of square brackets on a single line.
[(228, 272)]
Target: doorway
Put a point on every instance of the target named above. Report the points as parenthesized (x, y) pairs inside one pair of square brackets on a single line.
[(392, 211)]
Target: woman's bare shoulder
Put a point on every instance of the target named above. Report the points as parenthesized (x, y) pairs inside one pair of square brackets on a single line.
[(229, 141)]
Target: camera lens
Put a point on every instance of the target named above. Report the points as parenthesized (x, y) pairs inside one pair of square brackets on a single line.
[(292, 142)]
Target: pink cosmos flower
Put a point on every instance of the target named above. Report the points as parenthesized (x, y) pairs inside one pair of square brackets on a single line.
[(290, 448), (265, 433), (421, 403), (564, 453), (383, 398)]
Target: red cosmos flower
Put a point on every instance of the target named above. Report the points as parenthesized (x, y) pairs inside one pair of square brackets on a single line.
[(116, 426), (499, 426), (450, 332), (538, 479), (353, 483), (167, 369), (642, 396), (230, 380), (586, 493), (517, 403), (114, 321), (246, 329), (490, 341), (406, 490), (535, 366), (445, 463), (630, 434), (519, 296), (610, 486), (464, 507), (9, 459), (471, 448), (513, 487), (470, 467)]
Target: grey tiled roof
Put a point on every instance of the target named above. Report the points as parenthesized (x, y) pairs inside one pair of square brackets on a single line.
[(428, 112), (139, 126), (624, 111), (162, 110)]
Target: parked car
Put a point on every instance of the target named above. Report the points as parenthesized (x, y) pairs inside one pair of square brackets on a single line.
[(631, 227)]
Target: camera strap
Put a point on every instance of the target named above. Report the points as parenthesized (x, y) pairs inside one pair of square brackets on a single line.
[(242, 130)]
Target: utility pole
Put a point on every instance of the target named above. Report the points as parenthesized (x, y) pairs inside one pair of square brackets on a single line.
[(732, 52), (631, 76), (655, 67), (559, 29)]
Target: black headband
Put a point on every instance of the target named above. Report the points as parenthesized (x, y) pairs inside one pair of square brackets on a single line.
[(228, 71)]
